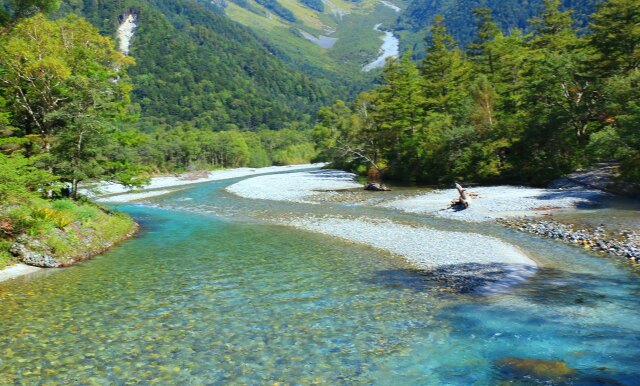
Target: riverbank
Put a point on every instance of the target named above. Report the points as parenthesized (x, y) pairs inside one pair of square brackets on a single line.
[(38, 234), (492, 202), (63, 233), (108, 192), (424, 247), (17, 270), (491, 260)]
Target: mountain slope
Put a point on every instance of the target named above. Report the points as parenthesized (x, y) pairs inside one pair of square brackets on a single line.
[(335, 35), (196, 68)]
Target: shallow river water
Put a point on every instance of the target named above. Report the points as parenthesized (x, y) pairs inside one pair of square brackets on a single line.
[(211, 292)]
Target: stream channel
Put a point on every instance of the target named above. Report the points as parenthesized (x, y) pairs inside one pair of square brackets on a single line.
[(213, 292)]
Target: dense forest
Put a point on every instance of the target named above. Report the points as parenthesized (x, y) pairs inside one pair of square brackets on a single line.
[(74, 108), (201, 92), (196, 68), (512, 107), (508, 15)]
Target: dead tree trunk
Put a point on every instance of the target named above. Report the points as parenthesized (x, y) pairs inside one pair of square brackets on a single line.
[(464, 198)]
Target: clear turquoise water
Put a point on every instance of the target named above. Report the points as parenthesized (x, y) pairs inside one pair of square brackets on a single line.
[(209, 293)]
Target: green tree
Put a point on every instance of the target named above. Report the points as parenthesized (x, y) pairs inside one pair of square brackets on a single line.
[(20, 178), (64, 83), (481, 51), (553, 27), (616, 36), (616, 43), (12, 10), (444, 71)]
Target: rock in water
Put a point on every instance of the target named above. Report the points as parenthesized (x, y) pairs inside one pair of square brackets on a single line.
[(534, 369), (376, 187)]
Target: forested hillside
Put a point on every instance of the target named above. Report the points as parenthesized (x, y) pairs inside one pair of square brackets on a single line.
[(510, 108), (196, 68), (459, 20)]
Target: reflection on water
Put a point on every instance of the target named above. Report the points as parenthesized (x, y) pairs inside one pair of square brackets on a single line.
[(223, 297)]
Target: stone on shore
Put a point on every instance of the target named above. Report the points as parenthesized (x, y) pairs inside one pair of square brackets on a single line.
[(625, 243)]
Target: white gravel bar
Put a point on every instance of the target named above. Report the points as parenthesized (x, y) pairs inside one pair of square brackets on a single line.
[(294, 187), (16, 270), (423, 247), (113, 192), (496, 202)]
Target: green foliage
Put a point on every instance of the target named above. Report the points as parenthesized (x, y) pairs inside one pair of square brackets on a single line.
[(60, 87), (19, 178), (616, 36), (64, 228), (459, 15), (181, 149), (11, 10), (5, 257), (623, 103)]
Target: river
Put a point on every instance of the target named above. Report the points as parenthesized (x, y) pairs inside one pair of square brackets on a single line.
[(211, 292), (390, 49)]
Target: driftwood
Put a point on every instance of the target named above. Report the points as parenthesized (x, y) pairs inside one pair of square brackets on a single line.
[(465, 198)]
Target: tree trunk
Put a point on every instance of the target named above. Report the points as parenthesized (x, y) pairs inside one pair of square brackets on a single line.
[(374, 175), (74, 189)]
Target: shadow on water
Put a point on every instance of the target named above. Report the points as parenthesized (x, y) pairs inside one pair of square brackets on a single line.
[(456, 278), (555, 287), (590, 199)]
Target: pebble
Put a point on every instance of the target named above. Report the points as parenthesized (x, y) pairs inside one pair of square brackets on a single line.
[(625, 243)]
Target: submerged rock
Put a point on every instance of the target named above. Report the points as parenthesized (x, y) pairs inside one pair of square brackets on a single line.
[(536, 369)]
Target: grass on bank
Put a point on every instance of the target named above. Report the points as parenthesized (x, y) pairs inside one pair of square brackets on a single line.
[(62, 228)]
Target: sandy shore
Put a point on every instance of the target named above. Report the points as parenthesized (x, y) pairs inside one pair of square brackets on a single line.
[(16, 270), (112, 192)]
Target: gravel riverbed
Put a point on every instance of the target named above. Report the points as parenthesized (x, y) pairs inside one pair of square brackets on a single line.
[(114, 192), (294, 187), (493, 202)]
